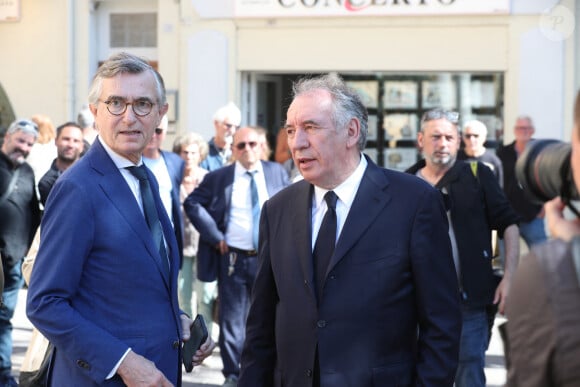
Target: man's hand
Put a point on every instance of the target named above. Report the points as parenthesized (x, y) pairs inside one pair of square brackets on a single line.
[(558, 226), (206, 348), (137, 371), (501, 294), (222, 247)]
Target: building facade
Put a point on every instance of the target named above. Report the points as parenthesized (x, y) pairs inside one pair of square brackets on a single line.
[(488, 59)]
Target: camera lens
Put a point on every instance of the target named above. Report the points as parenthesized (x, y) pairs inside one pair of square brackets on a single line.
[(543, 170)]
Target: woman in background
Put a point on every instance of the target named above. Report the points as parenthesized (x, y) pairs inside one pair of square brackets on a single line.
[(192, 148)]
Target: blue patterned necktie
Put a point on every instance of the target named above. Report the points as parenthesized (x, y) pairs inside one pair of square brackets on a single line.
[(150, 211), (255, 208), (324, 246)]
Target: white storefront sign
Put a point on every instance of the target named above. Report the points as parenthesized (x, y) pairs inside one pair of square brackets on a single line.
[(317, 8), (9, 10)]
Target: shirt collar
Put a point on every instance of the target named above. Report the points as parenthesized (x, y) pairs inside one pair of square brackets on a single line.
[(119, 161), (346, 191), (240, 170)]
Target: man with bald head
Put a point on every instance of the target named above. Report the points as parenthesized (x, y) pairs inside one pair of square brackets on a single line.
[(225, 208), (532, 214)]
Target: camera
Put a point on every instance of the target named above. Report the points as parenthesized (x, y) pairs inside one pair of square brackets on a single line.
[(544, 171)]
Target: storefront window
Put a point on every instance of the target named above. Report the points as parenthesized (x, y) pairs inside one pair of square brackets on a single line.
[(396, 103)]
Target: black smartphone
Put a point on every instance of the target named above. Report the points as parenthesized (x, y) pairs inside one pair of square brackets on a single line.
[(196, 339)]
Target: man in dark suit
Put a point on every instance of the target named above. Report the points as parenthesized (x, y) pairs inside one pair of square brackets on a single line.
[(104, 286), (221, 209), (168, 170), (385, 310)]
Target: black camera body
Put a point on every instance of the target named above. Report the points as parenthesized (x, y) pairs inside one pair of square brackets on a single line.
[(544, 171)]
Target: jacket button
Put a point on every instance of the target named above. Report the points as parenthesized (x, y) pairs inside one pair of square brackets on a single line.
[(176, 344), (321, 323), (83, 364), (309, 373)]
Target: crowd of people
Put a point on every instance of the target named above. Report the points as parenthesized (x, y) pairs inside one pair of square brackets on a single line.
[(319, 267)]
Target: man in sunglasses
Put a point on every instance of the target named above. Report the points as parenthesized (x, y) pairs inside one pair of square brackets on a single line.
[(475, 206), (19, 219), (474, 137), (225, 209)]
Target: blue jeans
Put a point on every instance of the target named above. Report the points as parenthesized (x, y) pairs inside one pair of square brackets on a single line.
[(474, 338), (13, 282), (533, 231)]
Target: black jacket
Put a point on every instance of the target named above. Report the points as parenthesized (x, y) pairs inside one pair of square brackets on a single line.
[(19, 213), (516, 195), (477, 205)]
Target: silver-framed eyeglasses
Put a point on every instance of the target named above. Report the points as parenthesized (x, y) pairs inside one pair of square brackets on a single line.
[(118, 106), (436, 114)]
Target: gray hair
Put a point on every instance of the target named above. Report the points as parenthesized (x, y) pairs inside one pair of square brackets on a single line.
[(24, 126), (346, 103), (187, 139), (475, 125), (121, 63), (230, 111)]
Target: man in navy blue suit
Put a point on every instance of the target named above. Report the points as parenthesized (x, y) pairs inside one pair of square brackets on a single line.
[(102, 290), (384, 309), (168, 170), (221, 209)]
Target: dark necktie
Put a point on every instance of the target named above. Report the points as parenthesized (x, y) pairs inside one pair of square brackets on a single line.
[(324, 246), (255, 208), (150, 211)]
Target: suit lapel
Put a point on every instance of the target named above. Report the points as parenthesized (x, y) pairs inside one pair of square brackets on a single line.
[(228, 185), (368, 203), (112, 183), (302, 223)]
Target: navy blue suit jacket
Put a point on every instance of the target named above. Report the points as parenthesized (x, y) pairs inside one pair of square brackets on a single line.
[(208, 209), (389, 310), (175, 167), (97, 287)]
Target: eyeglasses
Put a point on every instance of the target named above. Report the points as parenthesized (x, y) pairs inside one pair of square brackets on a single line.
[(242, 145), (158, 130), (437, 114), (229, 126), (470, 135), (117, 106)]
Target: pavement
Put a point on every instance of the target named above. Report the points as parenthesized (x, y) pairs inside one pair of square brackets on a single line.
[(209, 373)]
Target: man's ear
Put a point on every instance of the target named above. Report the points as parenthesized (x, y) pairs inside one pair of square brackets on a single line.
[(420, 139), (353, 131)]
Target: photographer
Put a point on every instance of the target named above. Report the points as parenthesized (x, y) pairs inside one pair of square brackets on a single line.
[(544, 306)]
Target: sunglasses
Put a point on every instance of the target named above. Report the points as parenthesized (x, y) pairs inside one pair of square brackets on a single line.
[(229, 126), (242, 145), (470, 135), (158, 130), (26, 124), (437, 114)]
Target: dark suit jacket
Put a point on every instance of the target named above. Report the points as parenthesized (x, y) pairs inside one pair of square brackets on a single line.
[(208, 209), (97, 286), (175, 167), (389, 312), (544, 316)]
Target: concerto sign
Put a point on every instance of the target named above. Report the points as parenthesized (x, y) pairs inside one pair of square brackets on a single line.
[(302, 8)]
